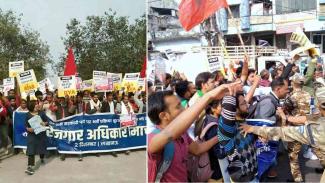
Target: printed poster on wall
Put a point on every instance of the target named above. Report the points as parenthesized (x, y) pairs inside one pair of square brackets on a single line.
[(100, 81), (27, 83), (130, 82), (15, 68), (67, 86), (8, 84)]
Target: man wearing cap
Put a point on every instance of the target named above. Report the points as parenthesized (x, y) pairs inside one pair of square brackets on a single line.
[(312, 133), (300, 103)]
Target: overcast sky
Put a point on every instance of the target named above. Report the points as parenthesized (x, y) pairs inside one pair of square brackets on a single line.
[(49, 17)]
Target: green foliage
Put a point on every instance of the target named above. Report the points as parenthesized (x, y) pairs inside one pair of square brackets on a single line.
[(20, 43), (108, 43)]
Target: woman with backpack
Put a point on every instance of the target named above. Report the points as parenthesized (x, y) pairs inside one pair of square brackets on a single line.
[(211, 125)]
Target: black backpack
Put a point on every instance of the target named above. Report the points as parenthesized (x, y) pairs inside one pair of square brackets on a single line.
[(252, 108)]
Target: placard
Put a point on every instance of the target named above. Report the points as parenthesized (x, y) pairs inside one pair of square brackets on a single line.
[(110, 81), (100, 81), (27, 82), (130, 82), (67, 86), (117, 81), (88, 85), (15, 68), (78, 83), (142, 84), (214, 63), (44, 82), (8, 84)]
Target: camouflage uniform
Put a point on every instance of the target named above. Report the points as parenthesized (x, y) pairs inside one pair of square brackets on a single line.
[(300, 134), (300, 100)]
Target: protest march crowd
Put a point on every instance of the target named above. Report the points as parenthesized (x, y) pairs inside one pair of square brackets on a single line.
[(49, 105), (229, 127)]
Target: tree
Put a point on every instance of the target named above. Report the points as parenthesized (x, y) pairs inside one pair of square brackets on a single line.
[(21, 43), (108, 43)]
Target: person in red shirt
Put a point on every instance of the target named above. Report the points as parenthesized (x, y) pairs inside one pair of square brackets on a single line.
[(3, 127)]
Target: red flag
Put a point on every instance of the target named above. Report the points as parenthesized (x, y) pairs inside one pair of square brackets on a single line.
[(193, 12), (143, 69), (70, 66)]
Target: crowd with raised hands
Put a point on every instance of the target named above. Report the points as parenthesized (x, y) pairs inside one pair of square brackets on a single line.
[(228, 127)]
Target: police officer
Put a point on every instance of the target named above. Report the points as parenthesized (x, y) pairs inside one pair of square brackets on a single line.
[(299, 106), (312, 133)]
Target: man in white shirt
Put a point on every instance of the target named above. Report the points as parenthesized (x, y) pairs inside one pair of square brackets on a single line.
[(108, 104)]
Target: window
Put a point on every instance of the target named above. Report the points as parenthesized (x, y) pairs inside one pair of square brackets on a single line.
[(323, 44), (235, 11), (292, 6), (317, 39)]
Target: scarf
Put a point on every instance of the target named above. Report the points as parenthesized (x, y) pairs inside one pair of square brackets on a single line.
[(126, 109), (93, 104)]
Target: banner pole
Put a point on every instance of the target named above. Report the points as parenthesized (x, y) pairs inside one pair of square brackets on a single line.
[(238, 30)]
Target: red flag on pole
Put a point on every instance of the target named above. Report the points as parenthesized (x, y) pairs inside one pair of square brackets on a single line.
[(143, 69), (193, 12), (70, 66)]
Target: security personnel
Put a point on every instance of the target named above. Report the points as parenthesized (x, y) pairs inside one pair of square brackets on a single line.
[(297, 105), (312, 133)]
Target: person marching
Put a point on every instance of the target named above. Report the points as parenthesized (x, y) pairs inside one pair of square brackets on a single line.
[(36, 143)]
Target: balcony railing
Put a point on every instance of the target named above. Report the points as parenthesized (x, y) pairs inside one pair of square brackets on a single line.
[(254, 20), (237, 52)]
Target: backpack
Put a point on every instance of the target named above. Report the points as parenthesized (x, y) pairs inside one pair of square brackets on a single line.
[(168, 155), (252, 108), (199, 168)]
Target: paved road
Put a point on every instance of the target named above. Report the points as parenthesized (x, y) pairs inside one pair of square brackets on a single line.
[(106, 168), (306, 165)]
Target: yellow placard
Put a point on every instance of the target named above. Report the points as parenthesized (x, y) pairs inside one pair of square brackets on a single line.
[(27, 82), (117, 80), (28, 86), (67, 86), (15, 68), (130, 82)]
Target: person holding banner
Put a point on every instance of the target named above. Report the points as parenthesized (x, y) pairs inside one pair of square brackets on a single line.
[(36, 142), (126, 107), (134, 105), (80, 106), (140, 100), (94, 105), (108, 105)]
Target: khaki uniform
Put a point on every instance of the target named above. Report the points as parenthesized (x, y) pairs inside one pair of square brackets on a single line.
[(300, 134), (301, 100)]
